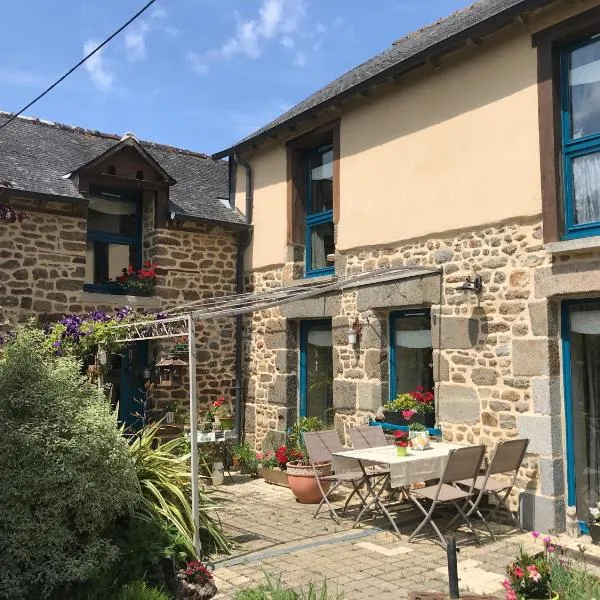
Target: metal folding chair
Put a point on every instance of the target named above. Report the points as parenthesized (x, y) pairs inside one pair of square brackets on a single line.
[(461, 464), (320, 446), (506, 458), (369, 436)]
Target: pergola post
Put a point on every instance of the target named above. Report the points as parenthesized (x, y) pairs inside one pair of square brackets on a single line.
[(194, 430)]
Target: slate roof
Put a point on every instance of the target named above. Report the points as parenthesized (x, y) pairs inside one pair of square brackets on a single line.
[(411, 51), (35, 156)]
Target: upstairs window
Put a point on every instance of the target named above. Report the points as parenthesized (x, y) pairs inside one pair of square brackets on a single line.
[(320, 245), (114, 237), (580, 75)]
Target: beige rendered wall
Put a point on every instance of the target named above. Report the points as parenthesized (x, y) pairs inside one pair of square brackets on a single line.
[(456, 149), (269, 241)]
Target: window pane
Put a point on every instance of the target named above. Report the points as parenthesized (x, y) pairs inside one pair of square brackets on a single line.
[(585, 393), (321, 181), (414, 353), (584, 84), (321, 245), (112, 216), (586, 188), (106, 261), (319, 370)]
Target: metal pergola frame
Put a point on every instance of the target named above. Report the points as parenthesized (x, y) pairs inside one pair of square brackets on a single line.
[(181, 321)]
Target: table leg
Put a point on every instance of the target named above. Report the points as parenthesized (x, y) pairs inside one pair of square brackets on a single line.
[(371, 492)]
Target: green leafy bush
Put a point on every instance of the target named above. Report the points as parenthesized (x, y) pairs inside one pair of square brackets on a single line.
[(247, 457), (163, 472), (138, 590), (66, 474)]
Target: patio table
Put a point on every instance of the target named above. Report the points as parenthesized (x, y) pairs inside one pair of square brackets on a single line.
[(418, 465)]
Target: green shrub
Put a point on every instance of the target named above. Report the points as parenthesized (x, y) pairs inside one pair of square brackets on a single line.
[(163, 472), (65, 474), (273, 590), (247, 457), (138, 590)]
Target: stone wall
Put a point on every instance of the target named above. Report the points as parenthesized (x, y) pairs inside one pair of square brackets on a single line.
[(42, 270), (496, 357)]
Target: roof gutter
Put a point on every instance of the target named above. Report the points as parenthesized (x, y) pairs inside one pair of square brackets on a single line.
[(453, 42), (244, 240)]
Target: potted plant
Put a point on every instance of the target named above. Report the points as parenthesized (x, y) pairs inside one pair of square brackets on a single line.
[(196, 582), (402, 442), (271, 470), (223, 412), (181, 346), (411, 407), (246, 459), (302, 480), (529, 577), (419, 437), (594, 524), (138, 281)]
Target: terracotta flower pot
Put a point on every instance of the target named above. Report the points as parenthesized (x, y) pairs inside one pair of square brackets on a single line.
[(302, 481)]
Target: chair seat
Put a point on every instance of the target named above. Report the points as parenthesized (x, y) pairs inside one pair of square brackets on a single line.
[(448, 493), (344, 476), (492, 484)]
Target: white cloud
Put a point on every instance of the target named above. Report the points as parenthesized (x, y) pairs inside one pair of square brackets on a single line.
[(101, 77), (279, 20), (159, 13), (135, 42)]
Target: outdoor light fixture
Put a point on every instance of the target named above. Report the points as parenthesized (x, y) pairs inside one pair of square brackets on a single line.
[(354, 332), (171, 371), (472, 285)]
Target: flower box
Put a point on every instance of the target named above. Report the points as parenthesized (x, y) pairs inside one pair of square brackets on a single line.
[(274, 476)]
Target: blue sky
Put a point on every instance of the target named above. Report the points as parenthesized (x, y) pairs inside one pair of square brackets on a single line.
[(199, 74)]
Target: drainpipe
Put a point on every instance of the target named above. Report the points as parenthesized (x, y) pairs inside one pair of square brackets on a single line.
[(243, 242)]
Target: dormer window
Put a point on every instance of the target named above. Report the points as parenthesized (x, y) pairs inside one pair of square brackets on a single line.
[(114, 236)]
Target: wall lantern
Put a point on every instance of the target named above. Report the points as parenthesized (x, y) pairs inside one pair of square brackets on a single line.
[(170, 371), (354, 332), (472, 285)]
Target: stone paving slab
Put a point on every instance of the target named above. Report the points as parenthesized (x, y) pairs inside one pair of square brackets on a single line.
[(279, 537)]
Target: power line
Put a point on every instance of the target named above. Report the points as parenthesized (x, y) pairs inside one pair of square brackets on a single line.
[(74, 68)]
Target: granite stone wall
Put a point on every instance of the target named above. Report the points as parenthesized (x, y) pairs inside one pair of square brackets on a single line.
[(42, 270), (496, 357)]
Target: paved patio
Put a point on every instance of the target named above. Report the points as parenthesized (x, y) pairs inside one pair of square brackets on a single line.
[(277, 536)]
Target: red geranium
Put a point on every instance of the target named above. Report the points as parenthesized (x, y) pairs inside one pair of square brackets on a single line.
[(401, 439), (196, 572), (284, 455)]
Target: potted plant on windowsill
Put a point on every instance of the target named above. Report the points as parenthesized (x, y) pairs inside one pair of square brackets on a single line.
[(411, 407), (138, 282), (594, 524)]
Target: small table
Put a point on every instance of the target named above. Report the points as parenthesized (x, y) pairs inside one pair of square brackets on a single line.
[(418, 465), (221, 438)]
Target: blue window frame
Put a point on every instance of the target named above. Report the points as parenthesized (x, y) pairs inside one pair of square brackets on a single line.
[(580, 331), (316, 369), (114, 238), (414, 329), (580, 111), (319, 211)]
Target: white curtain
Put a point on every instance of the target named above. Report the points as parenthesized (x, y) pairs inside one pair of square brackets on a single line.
[(414, 339), (586, 185)]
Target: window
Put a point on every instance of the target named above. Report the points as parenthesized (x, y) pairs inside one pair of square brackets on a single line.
[(316, 369), (113, 237), (580, 74), (411, 351), (320, 244)]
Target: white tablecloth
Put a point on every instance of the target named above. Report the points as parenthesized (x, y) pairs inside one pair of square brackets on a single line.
[(419, 465)]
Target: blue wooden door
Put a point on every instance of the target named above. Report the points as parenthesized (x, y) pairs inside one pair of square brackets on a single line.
[(132, 397)]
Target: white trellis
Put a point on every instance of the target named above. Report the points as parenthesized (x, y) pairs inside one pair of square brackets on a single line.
[(181, 321)]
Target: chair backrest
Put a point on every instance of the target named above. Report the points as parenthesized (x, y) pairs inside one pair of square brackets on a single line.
[(463, 463), (320, 445), (508, 456), (369, 436)]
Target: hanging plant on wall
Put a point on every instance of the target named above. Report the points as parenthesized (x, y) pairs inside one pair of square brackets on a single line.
[(138, 281)]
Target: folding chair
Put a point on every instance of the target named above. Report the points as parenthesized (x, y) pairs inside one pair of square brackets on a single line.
[(320, 446), (369, 436), (506, 458), (462, 463)]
